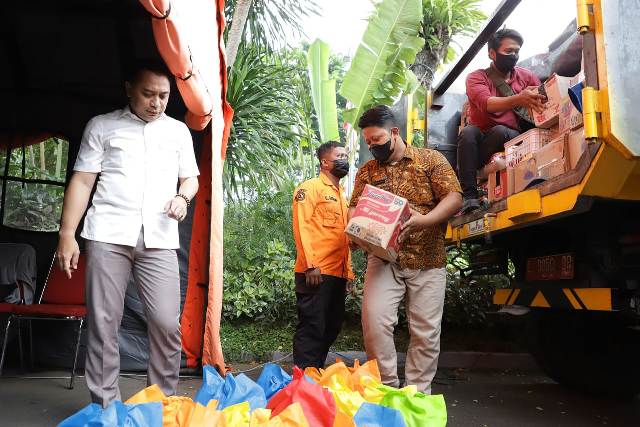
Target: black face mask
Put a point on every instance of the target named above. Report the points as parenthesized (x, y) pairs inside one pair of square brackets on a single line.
[(505, 63), (340, 168), (381, 152)]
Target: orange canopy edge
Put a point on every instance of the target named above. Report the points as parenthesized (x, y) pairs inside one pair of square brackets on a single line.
[(194, 53)]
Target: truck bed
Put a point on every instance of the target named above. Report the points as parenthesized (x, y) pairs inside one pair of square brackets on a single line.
[(566, 180)]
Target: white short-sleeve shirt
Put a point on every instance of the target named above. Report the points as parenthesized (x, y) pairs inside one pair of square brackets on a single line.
[(139, 165)]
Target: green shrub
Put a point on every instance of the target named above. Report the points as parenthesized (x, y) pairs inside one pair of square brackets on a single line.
[(263, 288), (260, 257)]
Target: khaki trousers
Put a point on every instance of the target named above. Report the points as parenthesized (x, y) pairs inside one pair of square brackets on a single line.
[(155, 272), (386, 285)]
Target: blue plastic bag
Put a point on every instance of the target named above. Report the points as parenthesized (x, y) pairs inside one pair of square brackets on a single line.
[(229, 390), (117, 414), (273, 379), (372, 415), (211, 388)]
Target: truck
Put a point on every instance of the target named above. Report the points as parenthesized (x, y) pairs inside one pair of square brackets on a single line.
[(571, 244)]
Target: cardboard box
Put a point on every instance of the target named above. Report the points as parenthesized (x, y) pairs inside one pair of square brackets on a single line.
[(498, 186), (551, 160), (576, 145), (570, 118), (577, 78), (556, 87), (511, 181), (464, 114), (524, 173), (548, 162), (483, 191), (464, 117), (376, 221)]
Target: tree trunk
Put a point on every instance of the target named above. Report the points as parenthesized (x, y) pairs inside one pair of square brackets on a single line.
[(58, 158), (240, 14), (428, 60)]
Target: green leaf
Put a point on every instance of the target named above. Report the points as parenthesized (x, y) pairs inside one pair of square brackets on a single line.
[(412, 83), (323, 90), (390, 42)]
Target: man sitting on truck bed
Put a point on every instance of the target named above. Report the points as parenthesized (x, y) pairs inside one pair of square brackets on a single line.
[(500, 98)]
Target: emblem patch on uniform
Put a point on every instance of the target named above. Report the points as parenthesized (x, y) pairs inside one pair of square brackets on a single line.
[(301, 194)]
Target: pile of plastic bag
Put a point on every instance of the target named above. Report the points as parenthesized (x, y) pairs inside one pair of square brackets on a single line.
[(339, 396)]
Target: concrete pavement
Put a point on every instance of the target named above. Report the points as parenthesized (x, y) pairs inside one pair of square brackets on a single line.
[(475, 397)]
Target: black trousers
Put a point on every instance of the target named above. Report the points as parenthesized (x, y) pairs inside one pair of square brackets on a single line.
[(320, 317), (475, 148)]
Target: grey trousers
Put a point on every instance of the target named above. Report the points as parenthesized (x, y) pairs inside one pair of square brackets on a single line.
[(155, 272), (385, 286)]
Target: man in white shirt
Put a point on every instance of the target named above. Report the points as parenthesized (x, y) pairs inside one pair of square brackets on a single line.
[(139, 157)]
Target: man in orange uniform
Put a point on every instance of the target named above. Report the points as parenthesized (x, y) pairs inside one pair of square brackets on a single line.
[(323, 263)]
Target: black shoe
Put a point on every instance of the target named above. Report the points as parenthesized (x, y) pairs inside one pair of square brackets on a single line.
[(470, 205)]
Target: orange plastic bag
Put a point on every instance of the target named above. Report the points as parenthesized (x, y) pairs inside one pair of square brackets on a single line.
[(369, 370), (179, 411), (149, 394), (351, 376), (206, 416)]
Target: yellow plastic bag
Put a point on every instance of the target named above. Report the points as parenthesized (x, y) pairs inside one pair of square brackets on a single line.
[(260, 417), (373, 391), (292, 416), (322, 376), (237, 415), (347, 400)]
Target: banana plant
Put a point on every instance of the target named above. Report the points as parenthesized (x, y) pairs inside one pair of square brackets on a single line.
[(379, 72), (323, 90)]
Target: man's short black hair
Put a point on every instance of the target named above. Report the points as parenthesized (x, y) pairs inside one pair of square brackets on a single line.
[(155, 66), (326, 148), (380, 116), (505, 33)]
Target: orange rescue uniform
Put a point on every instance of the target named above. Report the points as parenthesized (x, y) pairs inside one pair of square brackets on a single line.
[(319, 220)]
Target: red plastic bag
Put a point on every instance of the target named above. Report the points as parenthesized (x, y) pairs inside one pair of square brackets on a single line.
[(317, 403)]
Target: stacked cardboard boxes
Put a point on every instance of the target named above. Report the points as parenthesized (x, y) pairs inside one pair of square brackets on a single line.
[(542, 154)]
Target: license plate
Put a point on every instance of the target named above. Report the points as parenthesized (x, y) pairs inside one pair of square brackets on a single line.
[(476, 226), (552, 267)]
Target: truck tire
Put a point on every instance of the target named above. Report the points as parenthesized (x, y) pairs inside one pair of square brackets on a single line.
[(588, 351)]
